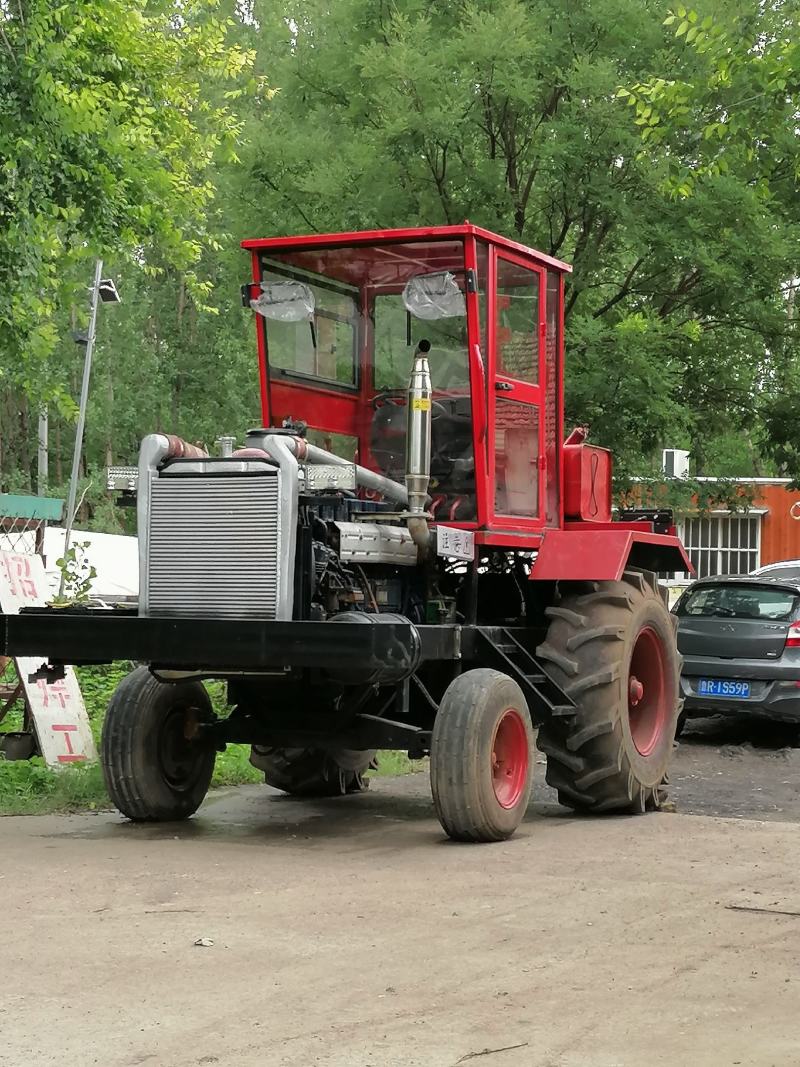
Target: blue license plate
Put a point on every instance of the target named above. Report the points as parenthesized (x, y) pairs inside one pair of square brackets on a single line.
[(718, 687)]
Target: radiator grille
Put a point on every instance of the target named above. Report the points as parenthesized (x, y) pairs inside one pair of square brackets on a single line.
[(214, 546)]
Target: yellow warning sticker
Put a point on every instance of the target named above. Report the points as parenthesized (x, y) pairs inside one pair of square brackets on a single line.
[(421, 403)]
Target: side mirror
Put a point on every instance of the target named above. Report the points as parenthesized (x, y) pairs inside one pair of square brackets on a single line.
[(287, 301), (434, 296)]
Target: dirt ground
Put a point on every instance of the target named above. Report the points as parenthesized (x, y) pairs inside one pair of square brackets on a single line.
[(350, 932)]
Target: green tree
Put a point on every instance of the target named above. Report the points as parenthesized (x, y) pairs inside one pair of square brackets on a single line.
[(506, 112), (108, 135), (737, 103), (738, 114)]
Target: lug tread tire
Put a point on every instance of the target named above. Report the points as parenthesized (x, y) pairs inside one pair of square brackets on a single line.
[(311, 772), (127, 749), (462, 733), (592, 761)]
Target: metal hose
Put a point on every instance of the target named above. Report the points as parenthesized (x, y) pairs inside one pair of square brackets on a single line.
[(303, 451)]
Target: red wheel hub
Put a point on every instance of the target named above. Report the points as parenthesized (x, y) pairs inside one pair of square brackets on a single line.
[(648, 691), (510, 756)]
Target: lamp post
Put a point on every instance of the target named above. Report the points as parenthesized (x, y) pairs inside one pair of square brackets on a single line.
[(105, 290)]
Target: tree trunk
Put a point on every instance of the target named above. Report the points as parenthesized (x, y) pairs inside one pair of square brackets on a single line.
[(59, 462), (26, 463)]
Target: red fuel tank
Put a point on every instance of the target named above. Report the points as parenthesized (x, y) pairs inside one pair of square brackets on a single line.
[(587, 483)]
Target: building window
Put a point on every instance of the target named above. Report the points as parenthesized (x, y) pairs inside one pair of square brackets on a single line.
[(723, 544)]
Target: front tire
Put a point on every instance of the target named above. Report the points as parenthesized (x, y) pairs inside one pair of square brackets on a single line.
[(481, 757), (613, 650), (154, 769)]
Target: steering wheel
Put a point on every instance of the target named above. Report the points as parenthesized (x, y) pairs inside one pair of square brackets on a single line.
[(395, 397), (398, 397)]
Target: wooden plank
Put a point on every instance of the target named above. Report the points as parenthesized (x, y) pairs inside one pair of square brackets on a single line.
[(57, 709)]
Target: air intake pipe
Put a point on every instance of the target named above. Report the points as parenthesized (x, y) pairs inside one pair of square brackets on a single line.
[(418, 448), (308, 453)]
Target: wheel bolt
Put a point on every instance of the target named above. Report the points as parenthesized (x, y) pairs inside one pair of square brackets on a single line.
[(635, 690)]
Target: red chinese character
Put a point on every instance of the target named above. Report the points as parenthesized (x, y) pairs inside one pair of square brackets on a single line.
[(12, 585), (55, 691), (23, 565), (27, 584), (18, 569), (70, 756)]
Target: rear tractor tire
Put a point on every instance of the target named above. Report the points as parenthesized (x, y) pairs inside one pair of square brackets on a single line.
[(613, 650), (156, 768), (313, 772), (481, 750)]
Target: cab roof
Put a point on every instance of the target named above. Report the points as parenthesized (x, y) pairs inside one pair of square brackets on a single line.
[(466, 229)]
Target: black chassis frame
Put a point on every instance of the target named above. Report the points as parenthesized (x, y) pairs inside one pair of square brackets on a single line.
[(389, 671)]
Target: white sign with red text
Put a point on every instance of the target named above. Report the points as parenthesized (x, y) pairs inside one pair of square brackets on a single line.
[(454, 543), (59, 714)]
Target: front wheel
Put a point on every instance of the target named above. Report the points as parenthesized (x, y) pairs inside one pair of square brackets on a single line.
[(612, 648), (481, 757), (156, 765)]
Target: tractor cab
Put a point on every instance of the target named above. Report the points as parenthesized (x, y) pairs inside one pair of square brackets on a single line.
[(339, 319)]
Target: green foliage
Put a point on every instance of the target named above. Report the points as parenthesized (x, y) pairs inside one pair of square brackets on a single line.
[(233, 767), (97, 686), (76, 574), (661, 160), (781, 426), (30, 787), (393, 763), (107, 138), (397, 114), (732, 100), (165, 364), (687, 495), (728, 116)]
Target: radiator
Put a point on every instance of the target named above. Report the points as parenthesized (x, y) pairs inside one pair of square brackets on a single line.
[(214, 545)]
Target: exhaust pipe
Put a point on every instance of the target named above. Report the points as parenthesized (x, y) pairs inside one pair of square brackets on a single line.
[(418, 448)]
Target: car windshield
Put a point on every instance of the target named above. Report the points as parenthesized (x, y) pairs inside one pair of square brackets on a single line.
[(731, 601), (790, 574)]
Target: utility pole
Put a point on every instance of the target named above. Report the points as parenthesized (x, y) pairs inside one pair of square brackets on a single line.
[(42, 473), (76, 455)]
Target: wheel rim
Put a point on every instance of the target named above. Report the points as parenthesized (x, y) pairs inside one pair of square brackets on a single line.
[(179, 757), (648, 696), (510, 757)]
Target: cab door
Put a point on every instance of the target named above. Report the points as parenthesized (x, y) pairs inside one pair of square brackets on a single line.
[(516, 394)]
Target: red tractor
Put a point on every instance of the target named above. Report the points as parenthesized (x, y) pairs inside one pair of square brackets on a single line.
[(405, 555)]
